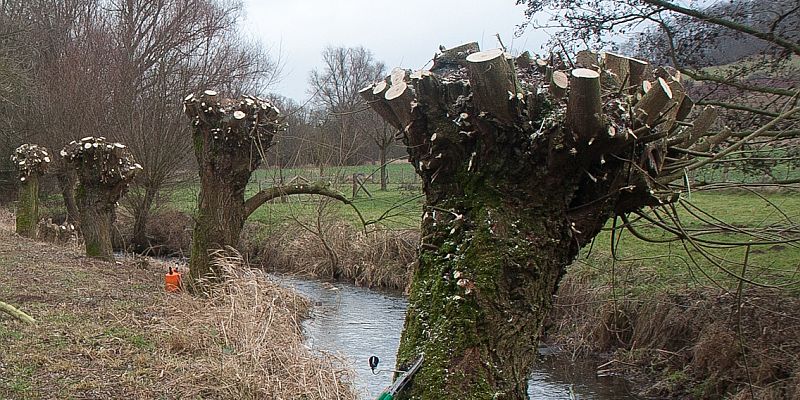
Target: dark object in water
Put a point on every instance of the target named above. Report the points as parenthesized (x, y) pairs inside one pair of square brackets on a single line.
[(373, 363)]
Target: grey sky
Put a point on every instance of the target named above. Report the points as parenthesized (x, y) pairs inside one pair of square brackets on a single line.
[(400, 33)]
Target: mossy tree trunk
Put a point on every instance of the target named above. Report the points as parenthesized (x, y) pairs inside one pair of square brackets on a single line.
[(515, 184), (230, 137), (28, 206), (221, 210), (488, 268), (104, 170), (97, 217), (31, 162)]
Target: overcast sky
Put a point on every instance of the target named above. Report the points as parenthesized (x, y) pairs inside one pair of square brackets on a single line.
[(400, 33)]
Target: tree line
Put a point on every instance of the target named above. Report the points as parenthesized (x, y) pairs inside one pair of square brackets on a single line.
[(119, 69)]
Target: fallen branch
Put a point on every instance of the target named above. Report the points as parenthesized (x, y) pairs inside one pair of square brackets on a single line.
[(16, 313)]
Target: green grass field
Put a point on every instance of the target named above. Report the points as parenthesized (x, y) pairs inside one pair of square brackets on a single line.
[(649, 265), (399, 207), (641, 265)]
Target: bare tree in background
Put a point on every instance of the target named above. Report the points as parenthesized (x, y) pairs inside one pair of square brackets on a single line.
[(383, 135), (14, 91), (50, 39), (346, 71), (121, 69), (165, 49)]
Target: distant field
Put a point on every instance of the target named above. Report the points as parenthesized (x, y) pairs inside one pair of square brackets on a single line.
[(666, 264), (670, 265), (399, 207)]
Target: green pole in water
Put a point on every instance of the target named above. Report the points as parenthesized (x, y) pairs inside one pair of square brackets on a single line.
[(401, 382)]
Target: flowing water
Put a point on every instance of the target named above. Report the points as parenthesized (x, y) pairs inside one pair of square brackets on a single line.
[(358, 323)]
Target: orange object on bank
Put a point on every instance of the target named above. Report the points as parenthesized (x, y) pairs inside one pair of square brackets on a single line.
[(172, 280)]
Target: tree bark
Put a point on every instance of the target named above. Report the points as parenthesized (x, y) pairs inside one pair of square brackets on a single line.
[(476, 309), (16, 313), (494, 84), (649, 108), (228, 137), (139, 241), (28, 207), (559, 82), (319, 188), (97, 217), (67, 181), (585, 107), (514, 187), (104, 170), (220, 219)]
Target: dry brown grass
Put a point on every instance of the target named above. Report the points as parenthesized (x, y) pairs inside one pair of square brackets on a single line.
[(382, 258), (245, 342), (109, 331), (685, 343)]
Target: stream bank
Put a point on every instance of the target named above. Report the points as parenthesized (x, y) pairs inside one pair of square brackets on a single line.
[(358, 323), (681, 341), (108, 330)]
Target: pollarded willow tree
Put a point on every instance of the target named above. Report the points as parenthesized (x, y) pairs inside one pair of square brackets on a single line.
[(523, 161), (31, 162), (105, 170), (230, 140)]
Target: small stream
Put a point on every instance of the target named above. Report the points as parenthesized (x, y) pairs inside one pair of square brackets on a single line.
[(358, 323)]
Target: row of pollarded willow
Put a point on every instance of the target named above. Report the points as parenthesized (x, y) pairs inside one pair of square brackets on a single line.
[(522, 164), (105, 169), (230, 137)]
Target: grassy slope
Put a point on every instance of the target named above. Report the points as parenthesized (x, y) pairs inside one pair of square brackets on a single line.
[(109, 331)]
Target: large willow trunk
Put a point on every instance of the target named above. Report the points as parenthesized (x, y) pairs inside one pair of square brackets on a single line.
[(522, 164), (28, 207), (104, 170), (229, 136), (97, 214), (484, 283), (221, 210)]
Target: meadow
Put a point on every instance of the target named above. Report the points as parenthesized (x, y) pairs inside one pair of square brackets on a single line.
[(637, 265)]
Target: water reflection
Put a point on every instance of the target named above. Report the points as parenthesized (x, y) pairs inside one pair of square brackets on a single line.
[(358, 323)]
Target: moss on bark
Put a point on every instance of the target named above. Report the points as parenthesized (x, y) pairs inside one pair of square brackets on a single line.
[(28, 207), (513, 190), (97, 219), (488, 268), (220, 219)]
